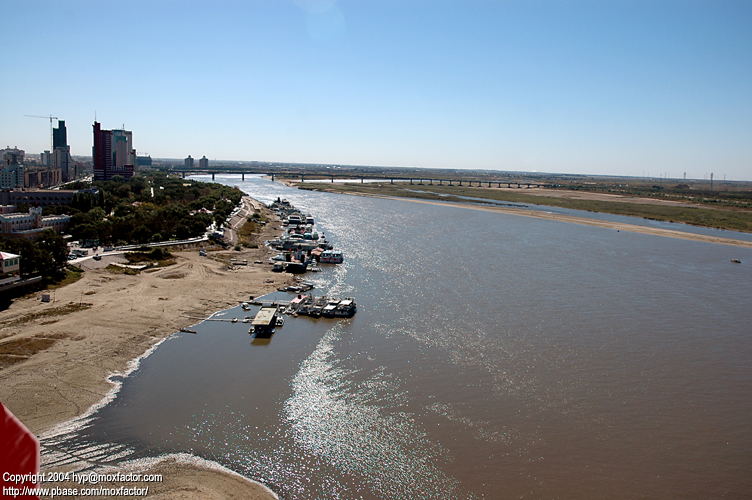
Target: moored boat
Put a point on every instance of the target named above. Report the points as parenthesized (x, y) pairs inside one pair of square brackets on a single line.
[(332, 257), (330, 309), (346, 308), (264, 323)]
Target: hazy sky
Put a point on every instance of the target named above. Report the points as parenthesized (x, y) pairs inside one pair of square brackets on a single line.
[(607, 86)]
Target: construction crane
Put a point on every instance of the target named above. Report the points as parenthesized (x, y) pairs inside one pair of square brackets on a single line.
[(51, 118)]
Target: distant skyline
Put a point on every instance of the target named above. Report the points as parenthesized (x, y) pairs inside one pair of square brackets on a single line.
[(586, 87)]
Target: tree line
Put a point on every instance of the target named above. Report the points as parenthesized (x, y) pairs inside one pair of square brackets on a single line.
[(145, 208)]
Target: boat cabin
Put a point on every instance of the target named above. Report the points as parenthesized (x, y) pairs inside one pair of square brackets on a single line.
[(346, 308), (330, 309), (264, 322)]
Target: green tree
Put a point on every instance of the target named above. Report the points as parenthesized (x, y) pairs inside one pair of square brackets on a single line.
[(138, 184), (54, 244), (142, 234), (124, 191)]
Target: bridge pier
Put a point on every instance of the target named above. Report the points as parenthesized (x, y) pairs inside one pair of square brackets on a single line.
[(421, 182), (489, 183), (460, 183), (518, 185), (361, 180), (332, 179), (411, 182), (450, 182), (272, 177), (391, 181), (183, 174), (242, 177), (212, 175), (302, 178), (430, 181)]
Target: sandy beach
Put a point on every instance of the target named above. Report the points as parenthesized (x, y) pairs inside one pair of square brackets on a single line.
[(55, 362), (588, 195)]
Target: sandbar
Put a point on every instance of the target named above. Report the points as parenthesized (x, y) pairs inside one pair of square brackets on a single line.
[(616, 226)]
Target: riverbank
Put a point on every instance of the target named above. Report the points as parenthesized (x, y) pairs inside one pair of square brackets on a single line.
[(540, 214), (55, 357), (715, 217)]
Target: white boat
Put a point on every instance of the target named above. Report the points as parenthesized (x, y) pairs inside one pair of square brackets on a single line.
[(346, 308), (329, 310), (332, 257)]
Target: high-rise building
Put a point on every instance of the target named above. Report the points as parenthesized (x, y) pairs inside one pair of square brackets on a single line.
[(189, 162), (203, 163), (112, 153), (45, 159), (61, 158), (123, 146), (59, 135), (101, 152)]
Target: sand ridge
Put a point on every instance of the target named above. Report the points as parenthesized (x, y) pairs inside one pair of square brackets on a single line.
[(617, 226)]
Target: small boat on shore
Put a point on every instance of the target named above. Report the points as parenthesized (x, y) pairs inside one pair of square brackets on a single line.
[(185, 330), (736, 261)]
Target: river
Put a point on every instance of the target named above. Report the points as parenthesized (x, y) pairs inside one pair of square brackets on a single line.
[(492, 356)]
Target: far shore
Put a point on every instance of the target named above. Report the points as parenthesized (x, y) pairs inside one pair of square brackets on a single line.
[(620, 226), (94, 327), (540, 214)]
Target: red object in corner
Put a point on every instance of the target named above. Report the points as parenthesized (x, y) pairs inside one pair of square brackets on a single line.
[(19, 453)]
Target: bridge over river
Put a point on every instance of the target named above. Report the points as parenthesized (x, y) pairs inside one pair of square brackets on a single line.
[(316, 177)]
